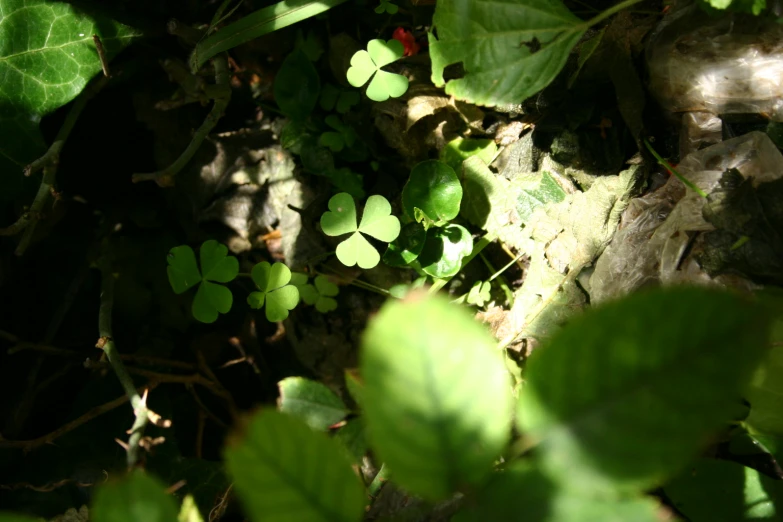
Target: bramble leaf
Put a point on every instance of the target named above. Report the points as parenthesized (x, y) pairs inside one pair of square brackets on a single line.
[(311, 401), (135, 497)]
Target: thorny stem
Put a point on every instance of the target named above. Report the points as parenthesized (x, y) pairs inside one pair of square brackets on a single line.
[(221, 94), (106, 343)]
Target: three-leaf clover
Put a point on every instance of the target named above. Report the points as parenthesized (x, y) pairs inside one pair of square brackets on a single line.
[(344, 136), (479, 293), (377, 222), (387, 7), (274, 290), (340, 100), (320, 294), (216, 267), (365, 64)]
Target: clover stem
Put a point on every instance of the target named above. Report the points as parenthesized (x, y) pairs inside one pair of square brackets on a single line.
[(355, 282)]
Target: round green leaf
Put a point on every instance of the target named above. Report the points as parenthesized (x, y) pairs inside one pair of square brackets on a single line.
[(312, 402), (286, 472), (458, 150), (713, 490), (377, 220), (341, 217), (356, 250), (610, 382), (362, 67), (309, 294), (136, 497), (215, 264), (211, 299), (444, 250), (434, 188), (407, 247), (325, 287), (325, 305), (280, 301), (297, 86), (333, 140), (182, 270), (384, 53), (387, 85), (437, 397), (256, 300)]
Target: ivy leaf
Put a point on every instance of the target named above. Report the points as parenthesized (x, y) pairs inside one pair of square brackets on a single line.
[(312, 402), (297, 86), (136, 497), (434, 188), (273, 290), (286, 472), (444, 249), (46, 59), (427, 365), (365, 64), (510, 51), (607, 384), (376, 222), (216, 266)]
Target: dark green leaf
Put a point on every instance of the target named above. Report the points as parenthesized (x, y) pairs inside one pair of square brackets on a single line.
[(407, 247), (136, 498), (458, 150), (434, 188), (210, 299), (352, 437), (286, 472), (615, 380), (216, 265), (436, 398), (182, 270), (297, 86), (444, 250), (311, 402)]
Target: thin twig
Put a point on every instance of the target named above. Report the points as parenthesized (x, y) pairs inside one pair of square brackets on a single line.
[(101, 55), (204, 408)]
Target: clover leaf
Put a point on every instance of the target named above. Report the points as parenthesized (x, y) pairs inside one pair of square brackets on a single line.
[(433, 188), (344, 137), (376, 222), (365, 64), (444, 249), (479, 293), (407, 247), (387, 7), (216, 267), (273, 290), (320, 294), (334, 98)]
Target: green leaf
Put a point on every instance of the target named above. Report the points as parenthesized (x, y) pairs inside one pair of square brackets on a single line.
[(311, 402), (479, 293), (743, 6), (182, 270), (347, 181), (765, 395), (310, 45), (523, 489), (189, 512), (210, 300), (261, 22), (387, 7), (537, 194), (437, 398), (376, 222), (458, 150), (352, 437), (510, 51), (609, 383), (47, 56), (274, 291), (325, 291), (434, 188), (407, 247), (297, 86), (365, 64), (10, 517), (286, 472), (216, 265), (722, 490), (137, 497), (444, 250)]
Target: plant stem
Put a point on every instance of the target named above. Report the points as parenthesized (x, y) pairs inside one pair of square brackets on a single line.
[(671, 169), (356, 282), (611, 11), (502, 280), (377, 483)]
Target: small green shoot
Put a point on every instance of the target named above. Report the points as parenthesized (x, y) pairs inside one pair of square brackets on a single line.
[(320, 294), (274, 290), (342, 136), (216, 267), (367, 64), (334, 98), (376, 222), (433, 187), (387, 7)]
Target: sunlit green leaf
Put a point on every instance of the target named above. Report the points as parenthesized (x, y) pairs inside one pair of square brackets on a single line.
[(135, 498), (367, 64), (434, 188), (458, 150), (273, 290), (407, 247), (216, 264), (311, 402), (444, 249)]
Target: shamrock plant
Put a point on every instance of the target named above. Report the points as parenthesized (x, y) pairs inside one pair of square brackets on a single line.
[(334, 98), (320, 293), (274, 291), (342, 136), (367, 64), (431, 198), (376, 222), (387, 7), (479, 293), (216, 267)]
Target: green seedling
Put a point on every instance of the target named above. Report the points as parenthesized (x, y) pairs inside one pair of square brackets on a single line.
[(320, 294), (367, 64), (433, 187), (376, 222), (387, 7), (216, 267), (334, 98), (274, 290), (342, 136)]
